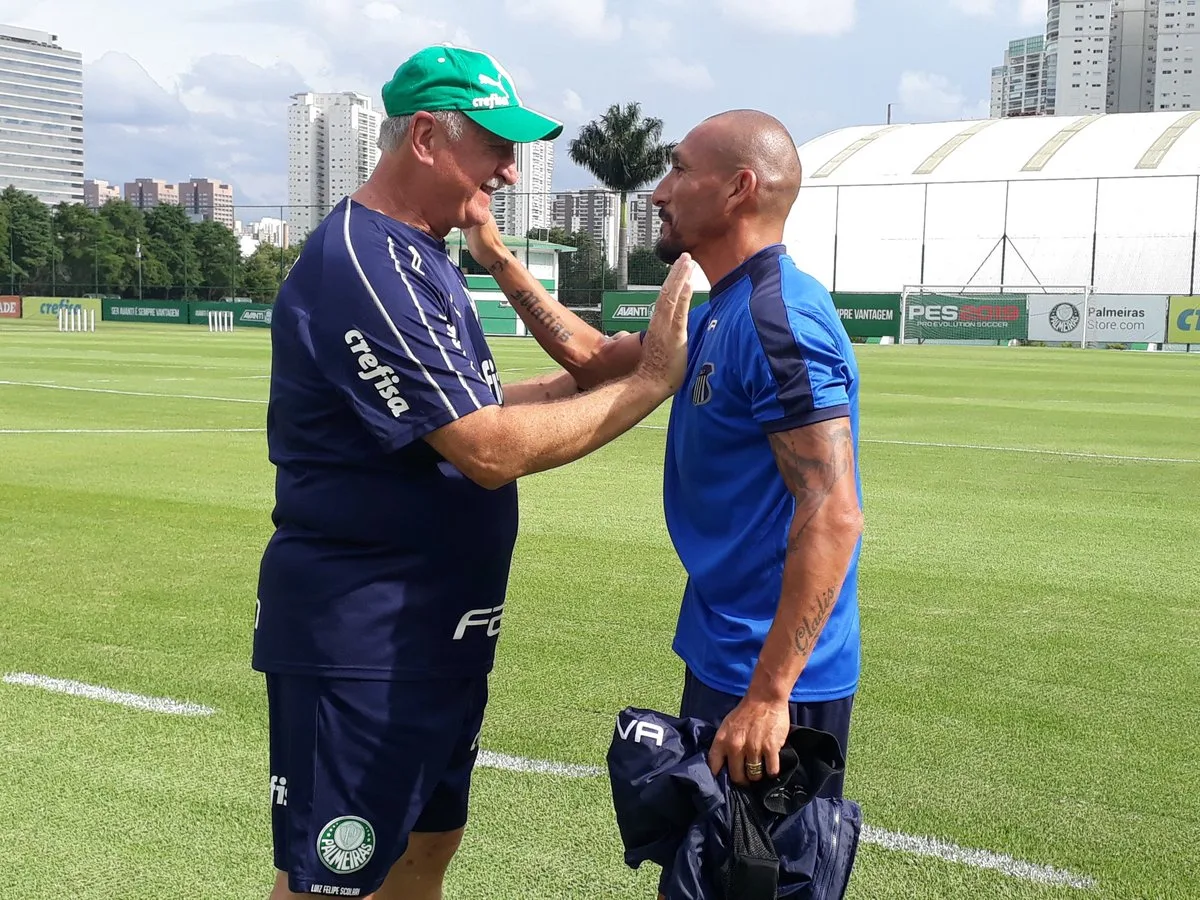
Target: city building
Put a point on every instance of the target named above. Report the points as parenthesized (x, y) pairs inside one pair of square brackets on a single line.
[(1115, 56), (1176, 78), (529, 203), (997, 98), (593, 211), (1078, 36), (1018, 85), (332, 150), (1131, 67), (147, 193), (644, 224), (97, 193), (206, 200), (41, 116)]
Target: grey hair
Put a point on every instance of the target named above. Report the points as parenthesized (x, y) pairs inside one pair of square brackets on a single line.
[(394, 129)]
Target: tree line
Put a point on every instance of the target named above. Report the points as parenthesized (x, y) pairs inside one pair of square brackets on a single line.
[(119, 250), (70, 250)]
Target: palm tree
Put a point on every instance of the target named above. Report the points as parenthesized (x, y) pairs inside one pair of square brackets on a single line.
[(623, 151)]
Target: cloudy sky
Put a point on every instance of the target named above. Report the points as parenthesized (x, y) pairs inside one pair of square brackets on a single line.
[(181, 88)]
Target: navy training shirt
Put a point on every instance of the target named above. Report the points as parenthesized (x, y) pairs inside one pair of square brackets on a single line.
[(386, 562), (766, 353)]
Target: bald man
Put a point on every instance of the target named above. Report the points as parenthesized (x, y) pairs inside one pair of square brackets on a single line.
[(761, 486)]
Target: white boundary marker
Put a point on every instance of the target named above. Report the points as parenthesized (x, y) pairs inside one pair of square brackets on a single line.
[(108, 695)]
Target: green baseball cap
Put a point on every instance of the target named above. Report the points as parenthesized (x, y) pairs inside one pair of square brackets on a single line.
[(445, 77)]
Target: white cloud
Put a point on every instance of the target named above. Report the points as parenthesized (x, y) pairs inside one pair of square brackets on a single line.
[(572, 102), (928, 96), (816, 17), (690, 76), (587, 19), (651, 30)]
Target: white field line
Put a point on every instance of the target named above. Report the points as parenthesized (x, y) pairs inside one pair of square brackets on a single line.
[(1078, 454), (977, 859), (889, 840), (921, 846), (64, 387), (108, 695), (131, 430), (130, 394)]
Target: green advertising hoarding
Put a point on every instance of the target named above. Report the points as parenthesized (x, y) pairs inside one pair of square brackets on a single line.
[(163, 312), (246, 315), (869, 315), (631, 310), (1000, 317)]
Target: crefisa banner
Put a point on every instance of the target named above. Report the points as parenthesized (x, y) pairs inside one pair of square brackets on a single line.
[(1115, 318)]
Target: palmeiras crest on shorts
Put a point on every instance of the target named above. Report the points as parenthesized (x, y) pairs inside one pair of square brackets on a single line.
[(1064, 317), (346, 844), (701, 389)]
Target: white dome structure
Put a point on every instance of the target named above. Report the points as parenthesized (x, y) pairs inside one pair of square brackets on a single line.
[(1108, 202)]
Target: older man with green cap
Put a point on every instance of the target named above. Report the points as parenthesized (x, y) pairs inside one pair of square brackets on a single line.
[(397, 449)]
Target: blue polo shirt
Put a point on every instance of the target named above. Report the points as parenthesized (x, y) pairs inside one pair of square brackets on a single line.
[(386, 562), (766, 353)]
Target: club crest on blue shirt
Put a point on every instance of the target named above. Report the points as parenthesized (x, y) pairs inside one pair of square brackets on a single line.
[(701, 389)]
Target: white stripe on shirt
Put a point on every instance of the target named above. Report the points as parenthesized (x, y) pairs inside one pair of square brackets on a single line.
[(383, 311), (425, 321)]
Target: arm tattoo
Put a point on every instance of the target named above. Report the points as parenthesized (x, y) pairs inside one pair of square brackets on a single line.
[(527, 301), (811, 465), (810, 628)]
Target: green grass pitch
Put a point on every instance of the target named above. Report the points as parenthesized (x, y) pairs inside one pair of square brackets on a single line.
[(1031, 626)]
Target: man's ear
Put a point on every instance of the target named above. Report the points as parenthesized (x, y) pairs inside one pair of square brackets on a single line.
[(422, 133), (742, 187)]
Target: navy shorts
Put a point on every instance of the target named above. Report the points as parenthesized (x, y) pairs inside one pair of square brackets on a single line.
[(356, 766), (709, 705)]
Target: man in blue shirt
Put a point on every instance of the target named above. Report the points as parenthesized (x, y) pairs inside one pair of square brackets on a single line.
[(396, 450), (761, 487)]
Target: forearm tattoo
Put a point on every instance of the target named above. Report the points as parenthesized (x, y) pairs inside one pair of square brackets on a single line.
[(811, 466), (535, 307)]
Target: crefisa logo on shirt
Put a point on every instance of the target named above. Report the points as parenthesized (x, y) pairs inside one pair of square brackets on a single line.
[(384, 377)]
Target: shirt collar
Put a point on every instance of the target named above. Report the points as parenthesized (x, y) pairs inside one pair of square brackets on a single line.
[(770, 252)]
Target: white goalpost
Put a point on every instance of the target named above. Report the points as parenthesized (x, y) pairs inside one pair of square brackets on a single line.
[(993, 314)]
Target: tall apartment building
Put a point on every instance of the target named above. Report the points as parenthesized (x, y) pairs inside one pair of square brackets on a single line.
[(332, 149), (644, 224), (1131, 65), (593, 211), (206, 200), (147, 193), (1110, 56), (1018, 85), (41, 116), (97, 193), (1176, 82), (997, 100), (529, 203), (1078, 35)]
